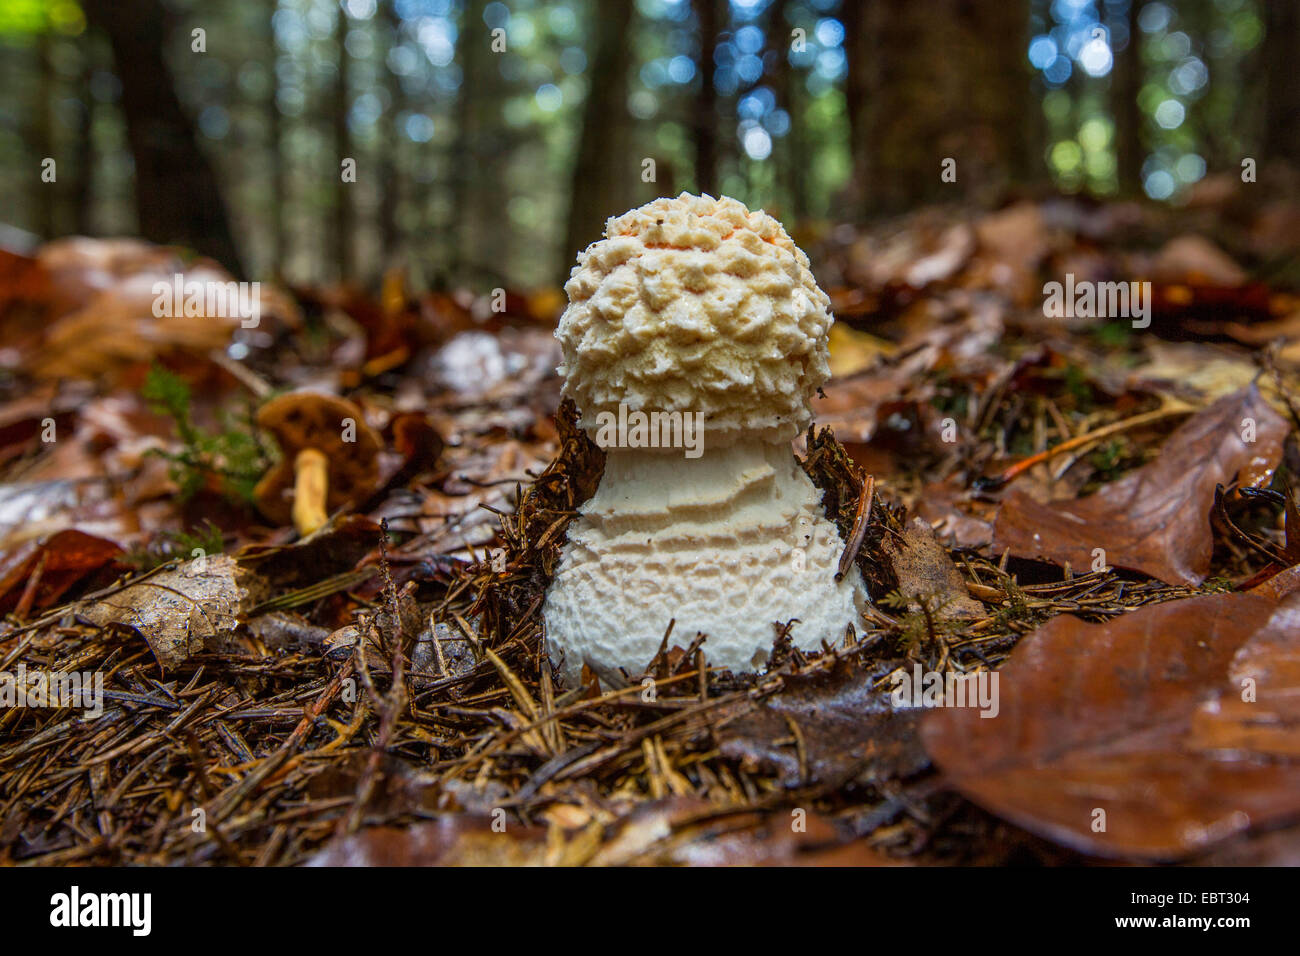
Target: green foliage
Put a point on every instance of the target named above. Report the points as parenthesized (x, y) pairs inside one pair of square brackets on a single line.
[(229, 460), (1108, 459), (19, 17), (1218, 584), (178, 545), (1115, 335), (920, 620), (1078, 387)]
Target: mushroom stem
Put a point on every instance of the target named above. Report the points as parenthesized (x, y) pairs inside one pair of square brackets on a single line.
[(310, 488)]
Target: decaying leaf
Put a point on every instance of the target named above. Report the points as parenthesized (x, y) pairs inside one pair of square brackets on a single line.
[(925, 571), (454, 840), (40, 572), (1258, 708), (671, 831), (828, 726), (1157, 519), (1119, 740), (178, 611)]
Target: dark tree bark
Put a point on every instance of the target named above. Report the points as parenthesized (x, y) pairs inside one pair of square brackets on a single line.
[(1282, 83), (48, 194), (343, 218), (605, 174), (860, 27), (1126, 81), (791, 97), (83, 198), (177, 196), (390, 239), (275, 150), (933, 81), (473, 51), (712, 17)]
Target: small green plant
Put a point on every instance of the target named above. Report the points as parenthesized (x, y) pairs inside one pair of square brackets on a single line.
[(230, 458), (1218, 584), (1115, 335), (920, 619), (178, 545), (1107, 458)]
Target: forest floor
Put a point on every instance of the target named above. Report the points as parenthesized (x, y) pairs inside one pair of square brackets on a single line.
[(1093, 517)]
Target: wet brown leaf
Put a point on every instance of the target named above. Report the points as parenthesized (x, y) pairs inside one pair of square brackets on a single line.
[(925, 570), (454, 840), (1157, 519), (51, 566), (1129, 719), (828, 727), (684, 831)]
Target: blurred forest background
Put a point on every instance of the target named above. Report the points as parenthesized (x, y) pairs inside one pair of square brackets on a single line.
[(491, 139)]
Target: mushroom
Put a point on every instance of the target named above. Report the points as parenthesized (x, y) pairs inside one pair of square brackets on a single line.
[(699, 308), (330, 458)]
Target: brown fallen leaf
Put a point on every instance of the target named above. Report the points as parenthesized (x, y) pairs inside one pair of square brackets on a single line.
[(454, 840), (1157, 519), (179, 611), (925, 570), (687, 831), (38, 573), (959, 520), (1258, 709), (1115, 739), (673, 831), (827, 726), (1196, 260)]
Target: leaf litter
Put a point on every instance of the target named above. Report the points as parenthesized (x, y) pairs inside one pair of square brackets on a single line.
[(378, 692)]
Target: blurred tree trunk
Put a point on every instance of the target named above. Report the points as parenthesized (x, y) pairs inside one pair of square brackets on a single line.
[(1282, 84), (788, 83), (342, 105), (472, 51), (947, 79), (860, 27), (390, 184), (712, 16), (1126, 82), (604, 171), (83, 198), (48, 193), (177, 197), (275, 149)]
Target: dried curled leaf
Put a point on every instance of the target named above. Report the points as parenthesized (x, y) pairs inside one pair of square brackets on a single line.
[(179, 611)]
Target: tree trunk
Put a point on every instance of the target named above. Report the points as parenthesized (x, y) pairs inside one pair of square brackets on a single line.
[(343, 219), (1282, 86), (275, 151), (390, 239), (604, 172), (48, 194), (472, 50), (83, 197), (177, 197), (711, 15), (935, 81), (861, 25), (1126, 82), (790, 96)]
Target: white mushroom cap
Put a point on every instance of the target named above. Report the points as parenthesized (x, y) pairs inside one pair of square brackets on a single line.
[(696, 304)]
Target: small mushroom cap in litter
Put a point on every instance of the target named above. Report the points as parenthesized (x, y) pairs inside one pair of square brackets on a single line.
[(696, 304), (313, 420)]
